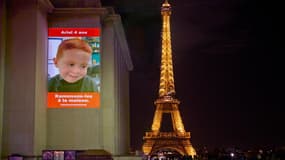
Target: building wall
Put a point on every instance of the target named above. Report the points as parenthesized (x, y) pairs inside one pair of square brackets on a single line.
[(74, 128), (123, 100), (107, 127), (28, 126)]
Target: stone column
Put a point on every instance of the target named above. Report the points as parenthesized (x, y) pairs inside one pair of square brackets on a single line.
[(115, 85), (2, 57), (108, 87)]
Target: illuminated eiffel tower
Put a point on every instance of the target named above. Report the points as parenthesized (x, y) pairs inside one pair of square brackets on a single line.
[(177, 140)]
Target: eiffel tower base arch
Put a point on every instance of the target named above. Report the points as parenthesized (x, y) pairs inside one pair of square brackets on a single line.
[(164, 141)]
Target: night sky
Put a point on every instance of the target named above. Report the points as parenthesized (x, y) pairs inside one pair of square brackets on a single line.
[(228, 69)]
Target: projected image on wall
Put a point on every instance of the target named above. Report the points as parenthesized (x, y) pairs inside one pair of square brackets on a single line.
[(74, 68)]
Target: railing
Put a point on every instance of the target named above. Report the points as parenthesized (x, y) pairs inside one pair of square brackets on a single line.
[(167, 135)]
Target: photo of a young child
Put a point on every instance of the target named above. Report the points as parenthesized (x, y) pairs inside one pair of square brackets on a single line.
[(72, 60)]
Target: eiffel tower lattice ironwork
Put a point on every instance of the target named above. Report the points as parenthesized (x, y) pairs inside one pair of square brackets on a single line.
[(177, 140)]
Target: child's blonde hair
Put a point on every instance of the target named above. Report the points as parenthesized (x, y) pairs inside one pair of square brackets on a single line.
[(73, 43)]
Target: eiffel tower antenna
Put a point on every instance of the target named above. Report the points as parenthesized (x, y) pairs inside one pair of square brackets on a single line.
[(177, 140)]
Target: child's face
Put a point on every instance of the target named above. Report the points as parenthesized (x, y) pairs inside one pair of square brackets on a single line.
[(73, 64)]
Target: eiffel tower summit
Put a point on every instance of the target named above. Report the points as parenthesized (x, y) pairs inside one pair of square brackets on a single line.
[(177, 140)]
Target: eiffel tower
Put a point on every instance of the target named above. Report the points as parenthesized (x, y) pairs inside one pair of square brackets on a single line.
[(178, 140)]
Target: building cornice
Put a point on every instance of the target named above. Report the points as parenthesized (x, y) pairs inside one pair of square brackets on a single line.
[(46, 5), (102, 12)]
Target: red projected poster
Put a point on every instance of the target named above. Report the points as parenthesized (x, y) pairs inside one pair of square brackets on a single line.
[(73, 68)]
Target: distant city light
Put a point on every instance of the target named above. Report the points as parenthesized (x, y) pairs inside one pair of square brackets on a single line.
[(232, 154)]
